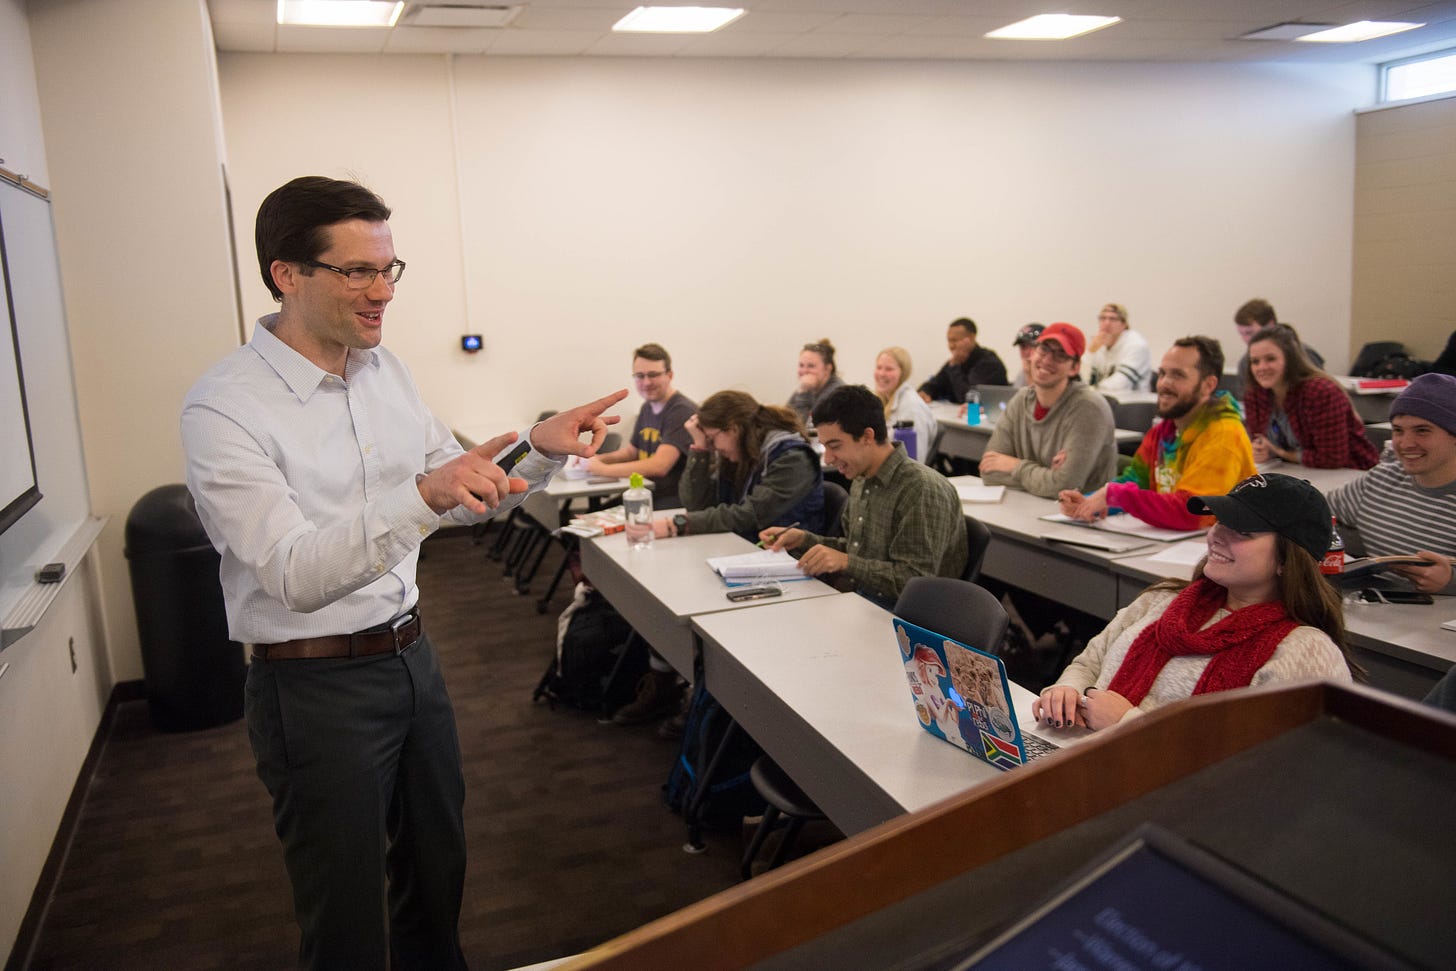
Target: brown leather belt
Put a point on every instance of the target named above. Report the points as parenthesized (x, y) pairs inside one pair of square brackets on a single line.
[(393, 637)]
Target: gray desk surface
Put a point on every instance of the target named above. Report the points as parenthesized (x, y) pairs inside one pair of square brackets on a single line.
[(820, 685), (659, 589), (545, 506), (1021, 555)]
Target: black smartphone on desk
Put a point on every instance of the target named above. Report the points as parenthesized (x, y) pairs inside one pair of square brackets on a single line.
[(753, 593)]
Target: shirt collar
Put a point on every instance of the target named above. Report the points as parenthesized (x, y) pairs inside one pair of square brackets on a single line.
[(892, 463), (302, 376)]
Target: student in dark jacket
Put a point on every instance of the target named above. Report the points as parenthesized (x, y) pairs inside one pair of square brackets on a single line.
[(969, 365), (750, 467)]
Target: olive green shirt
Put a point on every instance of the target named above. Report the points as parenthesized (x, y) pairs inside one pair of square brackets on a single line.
[(904, 521)]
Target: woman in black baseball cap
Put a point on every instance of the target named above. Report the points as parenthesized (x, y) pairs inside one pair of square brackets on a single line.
[(1258, 611)]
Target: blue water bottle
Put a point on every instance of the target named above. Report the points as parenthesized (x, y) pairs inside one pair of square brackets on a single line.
[(973, 407)]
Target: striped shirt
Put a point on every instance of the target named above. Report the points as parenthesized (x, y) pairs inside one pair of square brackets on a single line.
[(306, 485), (904, 521), (1394, 514)]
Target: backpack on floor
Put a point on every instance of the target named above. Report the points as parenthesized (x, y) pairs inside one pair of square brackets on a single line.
[(730, 794), (599, 658)]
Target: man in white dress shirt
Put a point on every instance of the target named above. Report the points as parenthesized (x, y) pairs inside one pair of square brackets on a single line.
[(317, 471)]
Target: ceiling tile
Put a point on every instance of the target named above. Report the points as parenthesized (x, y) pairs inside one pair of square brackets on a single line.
[(323, 40), (244, 37), (450, 40)]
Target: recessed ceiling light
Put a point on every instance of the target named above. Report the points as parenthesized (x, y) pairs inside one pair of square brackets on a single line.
[(1053, 26), (339, 13), (1358, 31), (678, 20)]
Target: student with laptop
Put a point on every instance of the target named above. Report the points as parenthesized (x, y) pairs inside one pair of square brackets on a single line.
[(970, 364), (1198, 448), (902, 520), (1057, 434), (1258, 611)]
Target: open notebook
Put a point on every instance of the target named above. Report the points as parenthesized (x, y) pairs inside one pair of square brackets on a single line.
[(746, 568)]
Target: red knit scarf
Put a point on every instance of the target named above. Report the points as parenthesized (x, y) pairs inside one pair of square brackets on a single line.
[(1240, 644)]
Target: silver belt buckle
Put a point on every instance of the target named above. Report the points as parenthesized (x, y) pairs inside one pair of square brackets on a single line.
[(397, 628)]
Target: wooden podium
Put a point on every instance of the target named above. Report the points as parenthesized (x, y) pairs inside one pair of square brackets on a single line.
[(1339, 797)]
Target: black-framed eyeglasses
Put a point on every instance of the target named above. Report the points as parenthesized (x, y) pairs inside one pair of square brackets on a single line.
[(647, 375), (362, 277), (1054, 351)]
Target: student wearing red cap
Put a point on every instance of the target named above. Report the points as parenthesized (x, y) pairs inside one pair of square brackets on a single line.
[(1058, 433)]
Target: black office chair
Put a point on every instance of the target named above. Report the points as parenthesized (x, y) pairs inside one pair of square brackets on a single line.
[(958, 609), (835, 499), (978, 538)]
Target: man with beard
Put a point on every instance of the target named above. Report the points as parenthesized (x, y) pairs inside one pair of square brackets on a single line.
[(1199, 448)]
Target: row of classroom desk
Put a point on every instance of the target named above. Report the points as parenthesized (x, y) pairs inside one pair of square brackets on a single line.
[(815, 676), (1402, 646)]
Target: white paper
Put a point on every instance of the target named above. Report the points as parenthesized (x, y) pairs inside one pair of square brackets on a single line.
[(970, 493), (1130, 525)]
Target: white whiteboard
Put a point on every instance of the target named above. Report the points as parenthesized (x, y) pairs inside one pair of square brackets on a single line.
[(45, 353), (18, 489)]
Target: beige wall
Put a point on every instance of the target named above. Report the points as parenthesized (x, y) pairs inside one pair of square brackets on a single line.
[(1405, 226), (735, 209), (129, 101)]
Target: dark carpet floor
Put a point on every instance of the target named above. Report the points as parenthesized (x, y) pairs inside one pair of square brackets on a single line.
[(175, 865)]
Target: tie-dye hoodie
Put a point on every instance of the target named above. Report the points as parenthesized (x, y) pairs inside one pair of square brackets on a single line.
[(1208, 458)]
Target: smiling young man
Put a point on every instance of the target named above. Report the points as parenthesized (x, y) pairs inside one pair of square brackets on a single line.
[(1199, 447), (1058, 433), (317, 471), (902, 520), (1407, 503), (970, 365), (659, 445)]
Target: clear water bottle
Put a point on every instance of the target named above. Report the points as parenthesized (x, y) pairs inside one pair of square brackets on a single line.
[(973, 407), (637, 505)]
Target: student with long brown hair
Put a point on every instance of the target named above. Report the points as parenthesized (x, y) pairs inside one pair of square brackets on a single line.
[(750, 467), (1296, 412), (1258, 611)]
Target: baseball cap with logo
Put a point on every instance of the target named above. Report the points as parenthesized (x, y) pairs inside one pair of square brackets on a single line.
[(1272, 503), (1028, 335)]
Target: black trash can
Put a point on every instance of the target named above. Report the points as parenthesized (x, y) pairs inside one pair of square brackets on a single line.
[(194, 674)]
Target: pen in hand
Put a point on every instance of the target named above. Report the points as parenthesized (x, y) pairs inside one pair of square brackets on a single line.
[(793, 525)]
